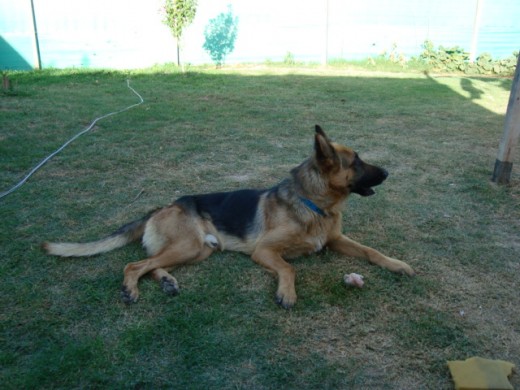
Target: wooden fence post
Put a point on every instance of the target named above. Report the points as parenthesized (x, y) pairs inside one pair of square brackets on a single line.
[(36, 38), (504, 162)]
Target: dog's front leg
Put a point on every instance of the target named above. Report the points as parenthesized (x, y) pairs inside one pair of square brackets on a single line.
[(348, 247), (270, 259)]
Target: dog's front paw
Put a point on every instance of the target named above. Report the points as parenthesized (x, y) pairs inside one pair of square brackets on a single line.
[(402, 268), (286, 300), (128, 295), (409, 271)]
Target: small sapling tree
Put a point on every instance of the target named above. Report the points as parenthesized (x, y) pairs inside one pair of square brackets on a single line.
[(178, 14)]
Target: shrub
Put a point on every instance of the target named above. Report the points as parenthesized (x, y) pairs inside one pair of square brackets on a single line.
[(456, 59), (289, 59)]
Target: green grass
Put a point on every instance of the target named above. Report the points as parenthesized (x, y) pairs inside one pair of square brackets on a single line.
[(61, 322)]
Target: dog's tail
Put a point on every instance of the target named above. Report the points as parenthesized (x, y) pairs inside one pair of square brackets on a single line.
[(124, 235)]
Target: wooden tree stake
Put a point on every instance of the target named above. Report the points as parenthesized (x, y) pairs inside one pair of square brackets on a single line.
[(504, 162)]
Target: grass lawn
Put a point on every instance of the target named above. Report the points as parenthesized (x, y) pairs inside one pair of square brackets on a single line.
[(62, 324)]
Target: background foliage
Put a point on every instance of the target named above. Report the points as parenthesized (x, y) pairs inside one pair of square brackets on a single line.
[(456, 59)]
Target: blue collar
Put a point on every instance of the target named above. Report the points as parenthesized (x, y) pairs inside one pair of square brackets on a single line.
[(310, 204)]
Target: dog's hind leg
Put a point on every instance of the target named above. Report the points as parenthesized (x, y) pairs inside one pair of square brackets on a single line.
[(348, 247), (167, 281), (176, 254)]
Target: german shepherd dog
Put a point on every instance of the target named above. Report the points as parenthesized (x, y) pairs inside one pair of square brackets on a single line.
[(300, 215)]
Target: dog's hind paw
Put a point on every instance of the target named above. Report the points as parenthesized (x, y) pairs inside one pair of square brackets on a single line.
[(127, 296), (169, 286)]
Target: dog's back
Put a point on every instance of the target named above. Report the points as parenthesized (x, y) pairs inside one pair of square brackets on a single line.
[(233, 213)]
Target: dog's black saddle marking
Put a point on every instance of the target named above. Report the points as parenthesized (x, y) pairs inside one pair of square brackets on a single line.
[(231, 212)]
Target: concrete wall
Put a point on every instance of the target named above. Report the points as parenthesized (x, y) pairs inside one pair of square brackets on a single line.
[(125, 34)]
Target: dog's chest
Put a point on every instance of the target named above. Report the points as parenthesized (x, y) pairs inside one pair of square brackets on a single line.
[(308, 242), (317, 244), (304, 246)]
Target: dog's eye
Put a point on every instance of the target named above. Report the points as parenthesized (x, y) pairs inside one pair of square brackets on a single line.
[(356, 161)]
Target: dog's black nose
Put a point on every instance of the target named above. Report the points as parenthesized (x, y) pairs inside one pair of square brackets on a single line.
[(384, 173)]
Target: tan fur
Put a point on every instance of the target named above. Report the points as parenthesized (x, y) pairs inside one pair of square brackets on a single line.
[(284, 229), (67, 249)]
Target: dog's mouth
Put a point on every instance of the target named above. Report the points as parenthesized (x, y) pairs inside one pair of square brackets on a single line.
[(364, 186), (364, 191)]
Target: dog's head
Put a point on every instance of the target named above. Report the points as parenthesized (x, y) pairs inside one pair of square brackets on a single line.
[(343, 169)]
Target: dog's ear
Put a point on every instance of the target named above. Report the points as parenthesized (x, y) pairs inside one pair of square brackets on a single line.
[(326, 155), (319, 130)]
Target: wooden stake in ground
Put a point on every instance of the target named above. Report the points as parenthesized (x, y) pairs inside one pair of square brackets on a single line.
[(504, 163), (6, 83)]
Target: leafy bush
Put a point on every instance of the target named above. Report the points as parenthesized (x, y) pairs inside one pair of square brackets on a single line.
[(486, 64), (289, 59), (456, 59), (393, 56)]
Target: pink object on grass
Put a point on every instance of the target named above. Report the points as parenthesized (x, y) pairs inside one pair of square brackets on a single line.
[(353, 279)]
